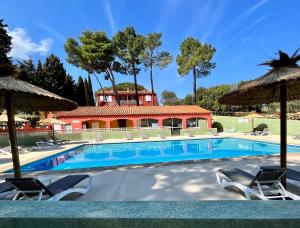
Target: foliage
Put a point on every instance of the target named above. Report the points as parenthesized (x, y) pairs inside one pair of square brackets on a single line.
[(125, 86), (96, 54), (169, 98), (188, 100), (70, 88), (261, 127), (6, 67), (27, 71), (80, 92), (129, 49), (195, 57), (208, 98), (54, 75), (218, 125), (91, 94), (154, 57)]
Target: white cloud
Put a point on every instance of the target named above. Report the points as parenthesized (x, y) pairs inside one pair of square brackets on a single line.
[(248, 12), (23, 46), (110, 17), (259, 20)]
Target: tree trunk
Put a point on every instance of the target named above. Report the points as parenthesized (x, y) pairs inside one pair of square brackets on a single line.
[(195, 86), (135, 86), (12, 135), (101, 89), (113, 83), (152, 86)]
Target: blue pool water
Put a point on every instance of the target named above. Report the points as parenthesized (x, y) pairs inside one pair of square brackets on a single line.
[(90, 156)]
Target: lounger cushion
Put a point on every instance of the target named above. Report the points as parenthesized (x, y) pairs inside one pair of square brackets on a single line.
[(5, 187), (65, 183), (291, 173), (238, 175)]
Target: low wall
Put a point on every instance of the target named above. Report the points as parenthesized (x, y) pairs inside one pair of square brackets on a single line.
[(229, 122), (188, 214), (194, 131), (30, 140)]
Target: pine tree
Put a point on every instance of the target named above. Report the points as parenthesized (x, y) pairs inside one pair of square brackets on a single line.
[(80, 92), (91, 93)]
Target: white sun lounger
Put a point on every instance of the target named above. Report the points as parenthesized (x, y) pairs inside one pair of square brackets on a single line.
[(144, 135), (129, 136), (266, 185), (161, 136), (21, 149), (32, 188)]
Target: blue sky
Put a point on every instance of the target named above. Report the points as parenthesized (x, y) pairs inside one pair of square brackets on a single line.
[(245, 33)]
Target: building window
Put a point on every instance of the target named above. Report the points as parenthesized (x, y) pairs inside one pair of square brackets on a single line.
[(148, 98), (108, 99)]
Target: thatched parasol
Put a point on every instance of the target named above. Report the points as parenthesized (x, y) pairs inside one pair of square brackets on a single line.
[(3, 118), (16, 94), (52, 122), (252, 116), (281, 83)]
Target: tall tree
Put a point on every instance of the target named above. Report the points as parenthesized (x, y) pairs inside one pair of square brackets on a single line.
[(130, 47), (6, 67), (55, 75), (39, 75), (80, 92), (96, 54), (87, 92), (70, 88), (196, 57), (91, 93), (169, 98), (27, 71), (154, 57)]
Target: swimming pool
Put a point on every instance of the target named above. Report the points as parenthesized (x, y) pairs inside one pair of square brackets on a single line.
[(102, 155)]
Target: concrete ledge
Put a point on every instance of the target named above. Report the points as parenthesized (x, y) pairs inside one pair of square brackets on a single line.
[(150, 214)]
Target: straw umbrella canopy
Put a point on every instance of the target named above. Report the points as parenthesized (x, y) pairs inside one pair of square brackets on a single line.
[(252, 116), (18, 95), (52, 122), (3, 118), (281, 83)]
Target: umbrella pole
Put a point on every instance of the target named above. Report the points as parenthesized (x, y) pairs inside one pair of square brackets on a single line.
[(12, 135), (53, 132), (283, 128)]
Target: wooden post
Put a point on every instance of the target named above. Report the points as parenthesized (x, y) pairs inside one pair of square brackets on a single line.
[(12, 135), (283, 128), (53, 133)]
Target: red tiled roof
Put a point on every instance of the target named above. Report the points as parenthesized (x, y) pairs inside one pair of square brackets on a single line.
[(132, 110)]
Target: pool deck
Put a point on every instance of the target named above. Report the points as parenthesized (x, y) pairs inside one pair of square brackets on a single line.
[(182, 182)]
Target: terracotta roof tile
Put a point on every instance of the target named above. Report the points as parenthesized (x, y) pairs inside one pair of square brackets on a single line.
[(132, 110)]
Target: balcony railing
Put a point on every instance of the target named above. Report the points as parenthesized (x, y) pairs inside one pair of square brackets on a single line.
[(130, 102)]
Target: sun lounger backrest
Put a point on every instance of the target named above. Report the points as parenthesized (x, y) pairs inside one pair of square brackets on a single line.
[(268, 176), (28, 184)]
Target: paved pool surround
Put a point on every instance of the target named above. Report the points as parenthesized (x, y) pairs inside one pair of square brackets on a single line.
[(150, 214)]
